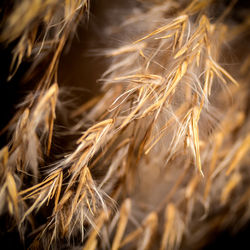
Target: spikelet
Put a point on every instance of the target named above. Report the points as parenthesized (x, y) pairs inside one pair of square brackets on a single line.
[(39, 26)]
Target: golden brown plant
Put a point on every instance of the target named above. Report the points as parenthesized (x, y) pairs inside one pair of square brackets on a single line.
[(163, 151)]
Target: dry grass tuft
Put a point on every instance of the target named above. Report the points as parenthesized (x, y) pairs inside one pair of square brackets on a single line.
[(162, 149)]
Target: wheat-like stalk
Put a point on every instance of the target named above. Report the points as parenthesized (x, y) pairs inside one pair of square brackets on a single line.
[(162, 150)]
